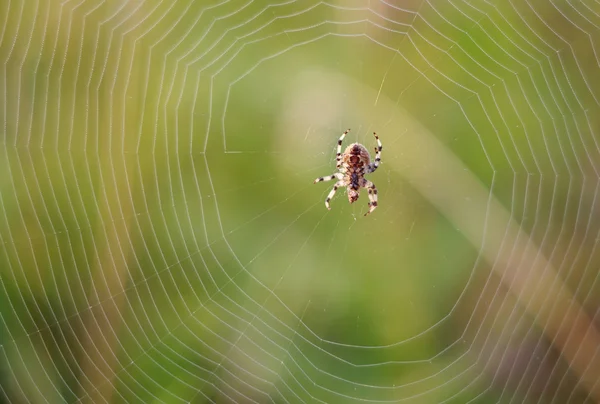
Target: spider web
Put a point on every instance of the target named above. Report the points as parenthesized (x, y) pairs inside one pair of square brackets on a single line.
[(162, 240)]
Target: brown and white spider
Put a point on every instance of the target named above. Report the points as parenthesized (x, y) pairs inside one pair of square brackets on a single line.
[(353, 164)]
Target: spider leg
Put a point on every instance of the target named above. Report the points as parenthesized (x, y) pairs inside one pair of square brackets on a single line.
[(372, 196), (373, 166), (338, 156), (332, 193), (329, 177)]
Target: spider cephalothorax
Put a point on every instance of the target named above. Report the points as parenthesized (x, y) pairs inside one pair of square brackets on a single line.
[(353, 164)]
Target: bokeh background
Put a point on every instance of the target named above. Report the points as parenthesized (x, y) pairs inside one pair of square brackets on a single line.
[(162, 239)]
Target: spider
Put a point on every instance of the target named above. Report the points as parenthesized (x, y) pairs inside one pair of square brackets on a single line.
[(353, 164)]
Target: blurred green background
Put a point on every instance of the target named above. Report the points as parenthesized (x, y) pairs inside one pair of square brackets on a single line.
[(162, 239)]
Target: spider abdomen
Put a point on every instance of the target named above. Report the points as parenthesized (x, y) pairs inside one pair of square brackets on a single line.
[(356, 154)]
